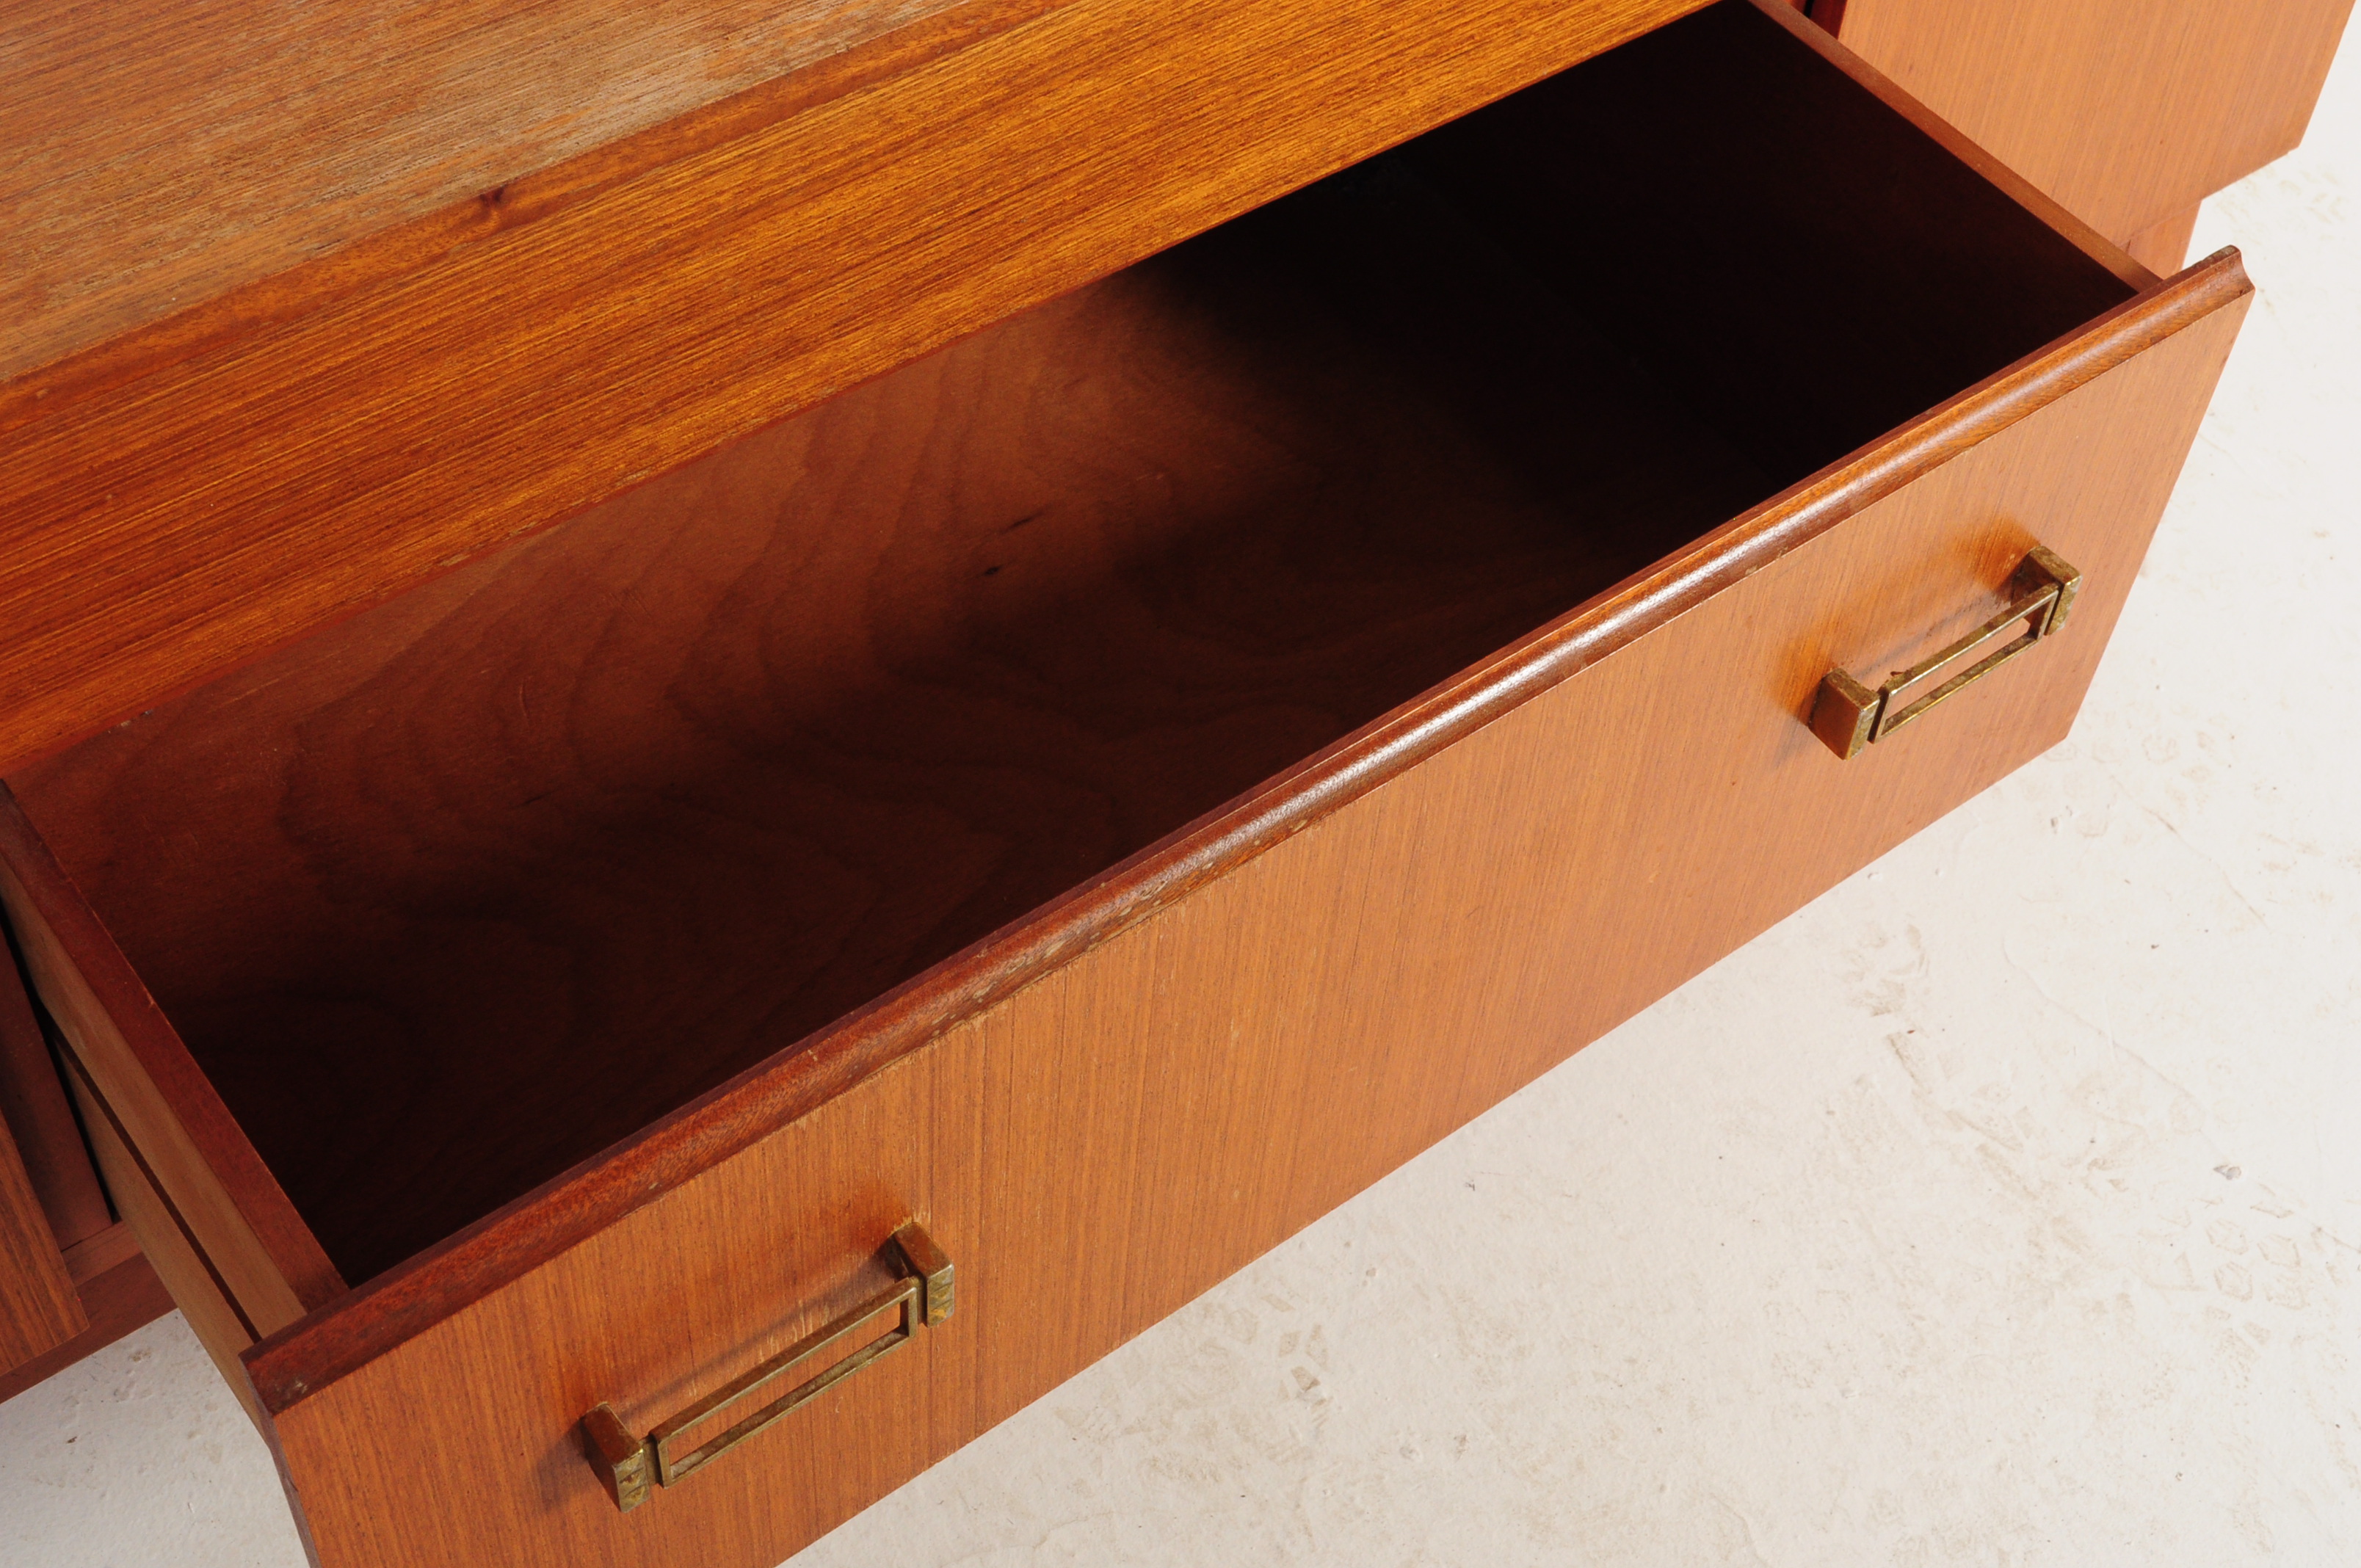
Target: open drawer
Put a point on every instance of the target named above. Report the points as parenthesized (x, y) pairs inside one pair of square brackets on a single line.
[(1106, 792)]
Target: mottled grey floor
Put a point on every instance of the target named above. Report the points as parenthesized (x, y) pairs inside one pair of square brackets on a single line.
[(2003, 1207)]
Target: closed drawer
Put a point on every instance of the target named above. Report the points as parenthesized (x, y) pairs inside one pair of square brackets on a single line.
[(1106, 792)]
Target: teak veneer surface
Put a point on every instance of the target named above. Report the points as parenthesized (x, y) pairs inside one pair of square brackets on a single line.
[(189, 495), (182, 1260), (124, 1296), (2163, 245), (129, 1072), (2128, 112), (1115, 1138), (1103, 1107), (463, 891), (156, 154), (488, 877)]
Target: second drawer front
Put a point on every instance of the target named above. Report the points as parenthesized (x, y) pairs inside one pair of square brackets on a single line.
[(1115, 1139)]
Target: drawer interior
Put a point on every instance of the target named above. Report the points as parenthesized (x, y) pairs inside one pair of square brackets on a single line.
[(460, 892)]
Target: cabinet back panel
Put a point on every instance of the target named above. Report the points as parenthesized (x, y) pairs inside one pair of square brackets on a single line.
[(1807, 263)]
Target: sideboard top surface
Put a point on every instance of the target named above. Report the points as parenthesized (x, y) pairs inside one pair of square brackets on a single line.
[(158, 154)]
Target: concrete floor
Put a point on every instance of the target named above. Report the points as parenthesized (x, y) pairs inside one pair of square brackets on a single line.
[(2003, 1207)]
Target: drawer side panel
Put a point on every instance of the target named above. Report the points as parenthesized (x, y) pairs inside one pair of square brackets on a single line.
[(188, 1275), (33, 1104), (128, 1054)]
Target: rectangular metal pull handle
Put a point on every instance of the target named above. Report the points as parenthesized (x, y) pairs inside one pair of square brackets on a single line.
[(630, 1465), (1849, 715)]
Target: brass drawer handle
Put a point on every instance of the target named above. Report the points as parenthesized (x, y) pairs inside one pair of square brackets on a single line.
[(1849, 715), (630, 1465)]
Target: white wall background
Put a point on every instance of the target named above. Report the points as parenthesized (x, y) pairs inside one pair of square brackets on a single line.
[(2004, 1207)]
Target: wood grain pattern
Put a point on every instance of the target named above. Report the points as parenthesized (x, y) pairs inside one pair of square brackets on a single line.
[(2128, 112), (171, 527), (120, 1299), (1821, 40), (97, 1254), (1056, 593), (246, 232), (811, 716), (1102, 1107), (159, 155), (414, 1297), (777, 1254), (33, 1107), (1155, 1114), (673, 1148), (38, 1308), (171, 1244), (2163, 245)]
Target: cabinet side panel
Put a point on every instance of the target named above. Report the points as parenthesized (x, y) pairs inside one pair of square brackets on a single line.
[(124, 1297), (2163, 245), (2127, 112), (1126, 1132)]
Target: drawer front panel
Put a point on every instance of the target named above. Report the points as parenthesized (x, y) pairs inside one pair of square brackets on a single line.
[(1237, 1067), (474, 1451), (1115, 1138)]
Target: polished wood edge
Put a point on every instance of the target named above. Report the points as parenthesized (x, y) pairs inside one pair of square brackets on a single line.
[(310, 1354), (273, 1439), (42, 899), (150, 1208), (188, 1273), (1820, 35), (126, 1297), (422, 243)]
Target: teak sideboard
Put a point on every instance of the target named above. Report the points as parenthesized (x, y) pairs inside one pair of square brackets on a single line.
[(732, 730)]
